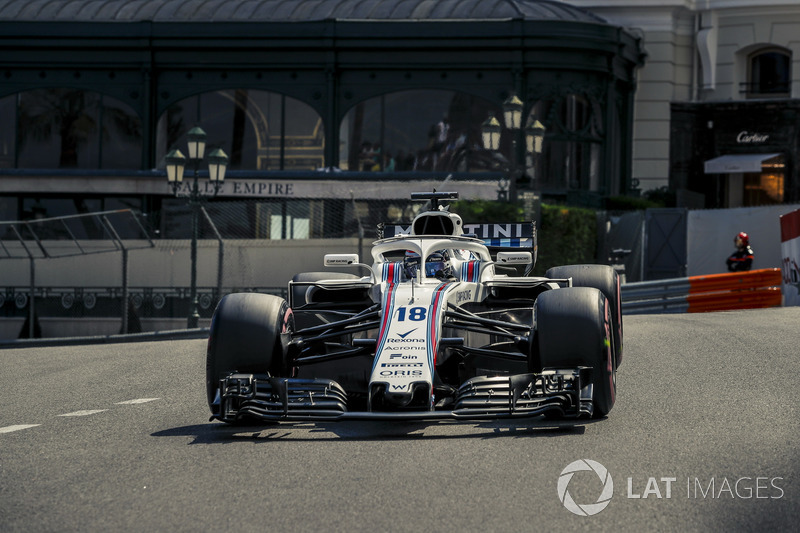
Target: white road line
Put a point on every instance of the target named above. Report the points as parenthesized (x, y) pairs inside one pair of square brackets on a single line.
[(9, 429), (84, 413), (87, 412)]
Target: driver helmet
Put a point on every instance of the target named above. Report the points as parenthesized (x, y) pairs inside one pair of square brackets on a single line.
[(741, 240), (437, 265)]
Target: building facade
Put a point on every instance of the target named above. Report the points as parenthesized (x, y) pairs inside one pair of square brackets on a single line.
[(716, 110), (94, 94)]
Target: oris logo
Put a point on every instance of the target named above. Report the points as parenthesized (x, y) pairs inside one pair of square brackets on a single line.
[(585, 509), (401, 373)]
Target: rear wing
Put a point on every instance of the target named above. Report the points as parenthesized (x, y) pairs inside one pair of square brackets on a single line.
[(496, 237)]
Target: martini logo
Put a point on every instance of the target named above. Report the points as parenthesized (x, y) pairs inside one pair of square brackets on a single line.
[(585, 509)]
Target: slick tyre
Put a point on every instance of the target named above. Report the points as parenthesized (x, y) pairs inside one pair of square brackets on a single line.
[(574, 328), (606, 280), (245, 336)]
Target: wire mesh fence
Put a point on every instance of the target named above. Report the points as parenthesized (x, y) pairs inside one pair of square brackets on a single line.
[(50, 242), (114, 272), (126, 272)]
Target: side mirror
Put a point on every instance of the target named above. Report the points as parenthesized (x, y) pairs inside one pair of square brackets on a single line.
[(347, 260), (514, 258), (340, 260)]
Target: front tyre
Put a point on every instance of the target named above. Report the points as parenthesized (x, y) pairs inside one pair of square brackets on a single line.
[(245, 336), (605, 279), (574, 328)]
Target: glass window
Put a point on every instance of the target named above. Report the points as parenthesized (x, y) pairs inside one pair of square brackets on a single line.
[(763, 189), (770, 73), (360, 133), (304, 136), (36, 208), (418, 130), (575, 112), (8, 208), (122, 202), (73, 128), (122, 136), (258, 130), (571, 158), (8, 137), (259, 219)]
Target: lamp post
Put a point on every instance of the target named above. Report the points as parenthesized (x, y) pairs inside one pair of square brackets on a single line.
[(490, 134), (534, 136), (217, 164), (534, 139)]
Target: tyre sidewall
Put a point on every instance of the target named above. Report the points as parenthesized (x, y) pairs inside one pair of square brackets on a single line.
[(574, 328), (245, 336), (606, 280)]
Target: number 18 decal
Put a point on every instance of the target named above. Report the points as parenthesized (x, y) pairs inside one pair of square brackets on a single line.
[(414, 313)]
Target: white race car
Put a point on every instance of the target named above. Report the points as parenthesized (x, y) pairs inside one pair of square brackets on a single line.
[(438, 327)]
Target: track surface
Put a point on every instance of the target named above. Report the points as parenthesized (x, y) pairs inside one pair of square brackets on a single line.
[(706, 398)]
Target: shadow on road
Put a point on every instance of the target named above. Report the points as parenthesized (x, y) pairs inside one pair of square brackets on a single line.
[(221, 433)]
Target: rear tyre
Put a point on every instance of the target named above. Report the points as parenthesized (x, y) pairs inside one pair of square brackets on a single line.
[(574, 328), (606, 280), (245, 336)]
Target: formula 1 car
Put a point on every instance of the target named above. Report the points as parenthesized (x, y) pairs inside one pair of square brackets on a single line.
[(437, 328)]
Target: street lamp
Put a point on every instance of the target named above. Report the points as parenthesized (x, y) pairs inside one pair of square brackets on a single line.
[(512, 112), (513, 109), (534, 139), (217, 164), (490, 130), (490, 133)]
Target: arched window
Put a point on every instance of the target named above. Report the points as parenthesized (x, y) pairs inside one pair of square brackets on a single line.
[(571, 159), (769, 74), (416, 130), (8, 131), (259, 130), (68, 128)]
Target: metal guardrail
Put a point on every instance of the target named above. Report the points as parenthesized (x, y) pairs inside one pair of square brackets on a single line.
[(697, 294), (661, 296)]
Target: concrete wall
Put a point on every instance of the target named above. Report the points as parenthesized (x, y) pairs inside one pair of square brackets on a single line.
[(10, 328), (247, 263), (667, 30), (710, 236)]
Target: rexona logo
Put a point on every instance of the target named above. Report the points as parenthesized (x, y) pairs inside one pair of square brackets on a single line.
[(586, 509)]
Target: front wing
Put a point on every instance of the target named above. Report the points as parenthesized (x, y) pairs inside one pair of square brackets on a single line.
[(566, 392)]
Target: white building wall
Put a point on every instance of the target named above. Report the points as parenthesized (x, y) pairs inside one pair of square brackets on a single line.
[(697, 51)]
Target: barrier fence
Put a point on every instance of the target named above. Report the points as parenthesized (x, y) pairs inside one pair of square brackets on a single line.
[(698, 294)]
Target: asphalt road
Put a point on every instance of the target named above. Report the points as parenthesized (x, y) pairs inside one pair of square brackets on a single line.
[(705, 432)]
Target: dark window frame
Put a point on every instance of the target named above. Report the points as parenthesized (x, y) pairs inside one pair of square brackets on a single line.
[(774, 84)]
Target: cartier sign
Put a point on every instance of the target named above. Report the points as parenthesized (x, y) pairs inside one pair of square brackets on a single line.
[(747, 137)]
